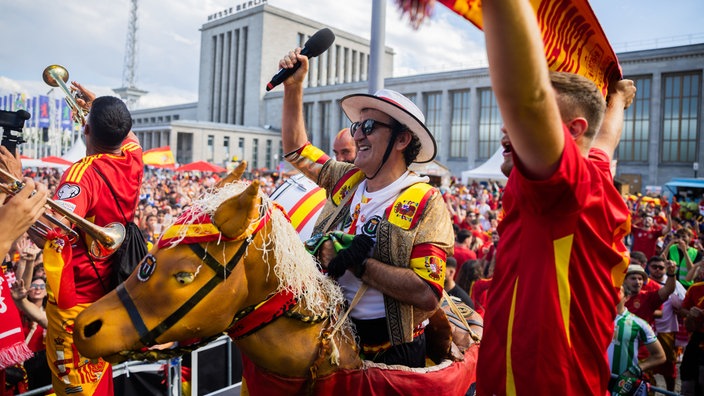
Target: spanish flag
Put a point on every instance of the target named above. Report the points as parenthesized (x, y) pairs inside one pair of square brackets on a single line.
[(59, 270), (573, 38), (160, 157)]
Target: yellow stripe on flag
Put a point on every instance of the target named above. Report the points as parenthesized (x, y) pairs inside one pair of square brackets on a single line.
[(299, 214), (161, 156)]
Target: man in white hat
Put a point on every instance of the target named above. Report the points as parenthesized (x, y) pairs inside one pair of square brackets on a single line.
[(402, 229)]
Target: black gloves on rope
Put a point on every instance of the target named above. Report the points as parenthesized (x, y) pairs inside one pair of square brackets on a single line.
[(352, 258)]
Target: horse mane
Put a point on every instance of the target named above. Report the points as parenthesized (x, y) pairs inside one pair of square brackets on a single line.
[(296, 269)]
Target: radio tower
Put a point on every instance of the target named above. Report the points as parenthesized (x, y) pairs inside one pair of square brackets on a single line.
[(129, 91)]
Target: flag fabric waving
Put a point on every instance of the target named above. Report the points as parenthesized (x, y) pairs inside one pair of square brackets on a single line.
[(160, 157), (573, 38)]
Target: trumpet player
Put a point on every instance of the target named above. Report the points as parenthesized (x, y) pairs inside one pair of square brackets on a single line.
[(103, 188)]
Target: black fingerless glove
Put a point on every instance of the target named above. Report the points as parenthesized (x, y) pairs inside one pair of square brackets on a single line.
[(352, 257)]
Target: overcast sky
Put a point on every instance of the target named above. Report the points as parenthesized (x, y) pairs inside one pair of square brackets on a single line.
[(88, 38)]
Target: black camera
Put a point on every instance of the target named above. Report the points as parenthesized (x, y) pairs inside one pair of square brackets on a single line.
[(12, 123)]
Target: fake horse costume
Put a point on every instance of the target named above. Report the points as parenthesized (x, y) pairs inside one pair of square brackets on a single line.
[(233, 264)]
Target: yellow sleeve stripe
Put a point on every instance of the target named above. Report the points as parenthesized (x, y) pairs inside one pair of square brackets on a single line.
[(77, 170), (563, 250)]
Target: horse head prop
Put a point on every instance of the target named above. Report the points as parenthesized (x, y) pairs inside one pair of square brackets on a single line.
[(232, 264)]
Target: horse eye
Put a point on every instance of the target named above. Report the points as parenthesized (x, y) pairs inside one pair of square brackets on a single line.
[(185, 278)]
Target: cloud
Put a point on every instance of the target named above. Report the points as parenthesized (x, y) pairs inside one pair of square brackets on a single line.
[(88, 38)]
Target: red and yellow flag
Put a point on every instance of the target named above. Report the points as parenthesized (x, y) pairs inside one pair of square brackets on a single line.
[(59, 271), (160, 157), (573, 38)]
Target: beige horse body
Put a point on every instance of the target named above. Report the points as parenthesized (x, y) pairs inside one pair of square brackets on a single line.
[(293, 345)]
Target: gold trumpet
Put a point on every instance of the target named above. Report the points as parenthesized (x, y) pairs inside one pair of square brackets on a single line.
[(57, 76), (106, 240)]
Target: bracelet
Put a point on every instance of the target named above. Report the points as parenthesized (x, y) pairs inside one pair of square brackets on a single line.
[(359, 269)]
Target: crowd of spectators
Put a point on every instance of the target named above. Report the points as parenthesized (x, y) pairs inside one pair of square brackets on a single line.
[(660, 228)]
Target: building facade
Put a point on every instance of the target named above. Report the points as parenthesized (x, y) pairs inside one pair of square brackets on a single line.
[(240, 49)]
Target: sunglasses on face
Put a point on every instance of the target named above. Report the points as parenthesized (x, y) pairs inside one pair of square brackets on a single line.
[(367, 126), (658, 267), (39, 286)]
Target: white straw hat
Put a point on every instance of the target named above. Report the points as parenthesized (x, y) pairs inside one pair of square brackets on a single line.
[(398, 107)]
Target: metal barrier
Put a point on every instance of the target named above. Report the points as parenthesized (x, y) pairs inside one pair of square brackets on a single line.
[(201, 362)]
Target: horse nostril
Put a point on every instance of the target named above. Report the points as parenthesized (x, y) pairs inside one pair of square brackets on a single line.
[(92, 329)]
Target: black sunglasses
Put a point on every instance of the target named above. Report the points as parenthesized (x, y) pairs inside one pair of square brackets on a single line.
[(659, 267), (367, 126)]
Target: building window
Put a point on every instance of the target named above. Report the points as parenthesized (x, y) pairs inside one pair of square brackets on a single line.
[(680, 117), (459, 128), (184, 147), (226, 148), (308, 119), (255, 153), (636, 124), (489, 124), (325, 126), (240, 149), (344, 122), (433, 109), (211, 148), (267, 155)]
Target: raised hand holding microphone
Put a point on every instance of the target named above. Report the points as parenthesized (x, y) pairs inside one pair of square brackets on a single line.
[(316, 45)]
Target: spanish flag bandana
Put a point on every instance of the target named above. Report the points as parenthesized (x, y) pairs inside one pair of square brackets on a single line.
[(59, 270), (197, 227)]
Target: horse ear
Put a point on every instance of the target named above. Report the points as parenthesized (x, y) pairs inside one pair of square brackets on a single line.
[(236, 214), (235, 175)]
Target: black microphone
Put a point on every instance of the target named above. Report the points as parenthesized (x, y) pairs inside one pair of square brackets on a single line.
[(316, 45)]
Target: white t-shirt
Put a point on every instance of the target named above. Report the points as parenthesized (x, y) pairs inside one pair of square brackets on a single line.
[(368, 208)]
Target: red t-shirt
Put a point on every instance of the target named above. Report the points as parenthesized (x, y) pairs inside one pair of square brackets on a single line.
[(551, 307), (644, 305), (695, 298), (645, 240), (478, 294), (85, 193), (462, 253)]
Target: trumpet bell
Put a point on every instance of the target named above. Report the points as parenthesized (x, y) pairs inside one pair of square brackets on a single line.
[(115, 232), (51, 73)]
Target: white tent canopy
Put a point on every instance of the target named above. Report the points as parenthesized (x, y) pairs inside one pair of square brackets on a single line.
[(76, 152), (489, 170), (37, 163)]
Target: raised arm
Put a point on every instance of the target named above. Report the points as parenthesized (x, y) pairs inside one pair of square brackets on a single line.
[(620, 97), (293, 128), (521, 83)]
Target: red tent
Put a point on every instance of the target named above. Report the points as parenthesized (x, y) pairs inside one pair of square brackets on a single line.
[(201, 166), (57, 160)]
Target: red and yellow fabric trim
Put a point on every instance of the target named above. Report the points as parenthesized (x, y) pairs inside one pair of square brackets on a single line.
[(346, 185), (255, 317), (406, 211), (428, 262)]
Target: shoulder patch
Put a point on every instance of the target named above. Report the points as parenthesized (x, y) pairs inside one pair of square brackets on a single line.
[(408, 208), (68, 191), (346, 185)]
